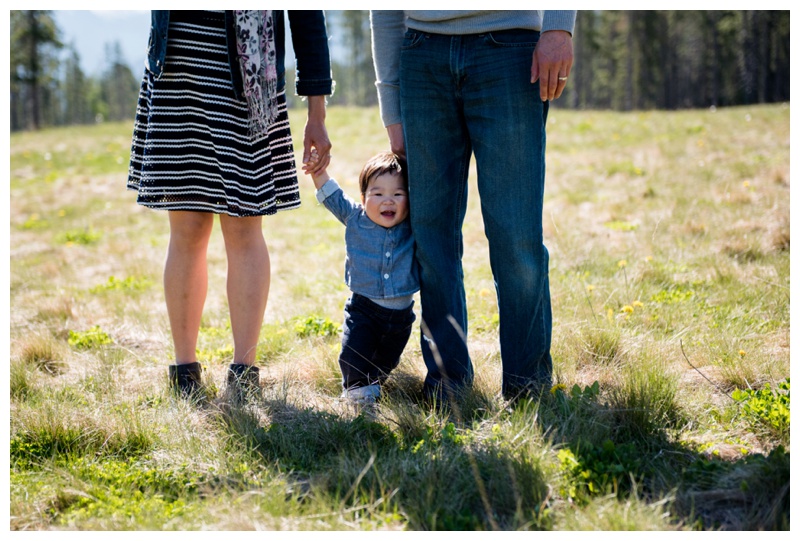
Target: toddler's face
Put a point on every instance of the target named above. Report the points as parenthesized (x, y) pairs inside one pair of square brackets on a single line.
[(386, 200)]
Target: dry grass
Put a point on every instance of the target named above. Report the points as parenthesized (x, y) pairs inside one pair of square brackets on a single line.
[(669, 241)]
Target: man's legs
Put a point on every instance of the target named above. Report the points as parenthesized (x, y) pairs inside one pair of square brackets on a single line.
[(506, 120), (438, 152)]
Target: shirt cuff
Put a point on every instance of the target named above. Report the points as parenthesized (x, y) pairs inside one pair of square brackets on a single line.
[(327, 189), (559, 20)]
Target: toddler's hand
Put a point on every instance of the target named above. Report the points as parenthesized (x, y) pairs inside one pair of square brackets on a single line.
[(321, 176), (313, 160)]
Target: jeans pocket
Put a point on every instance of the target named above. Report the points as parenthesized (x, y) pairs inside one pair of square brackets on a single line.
[(411, 39), (513, 38)]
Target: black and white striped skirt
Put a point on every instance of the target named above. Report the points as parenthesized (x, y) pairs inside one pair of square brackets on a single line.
[(191, 149)]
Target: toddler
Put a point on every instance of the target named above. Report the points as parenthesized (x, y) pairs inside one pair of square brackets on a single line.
[(379, 270)]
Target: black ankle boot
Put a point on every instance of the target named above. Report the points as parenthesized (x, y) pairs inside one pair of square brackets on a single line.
[(243, 382), (186, 379)]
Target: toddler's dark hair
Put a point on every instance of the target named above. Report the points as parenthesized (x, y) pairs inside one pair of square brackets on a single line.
[(380, 164)]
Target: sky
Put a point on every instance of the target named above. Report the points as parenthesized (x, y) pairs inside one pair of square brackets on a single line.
[(90, 31)]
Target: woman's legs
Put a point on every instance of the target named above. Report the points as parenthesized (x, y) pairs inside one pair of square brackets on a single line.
[(186, 279), (186, 285), (248, 282)]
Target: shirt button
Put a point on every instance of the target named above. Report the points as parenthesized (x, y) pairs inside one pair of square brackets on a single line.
[(386, 276), (388, 254)]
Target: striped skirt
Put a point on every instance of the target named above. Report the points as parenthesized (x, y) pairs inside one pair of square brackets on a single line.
[(191, 149)]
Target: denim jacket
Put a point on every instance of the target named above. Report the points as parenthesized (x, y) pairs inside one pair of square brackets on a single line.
[(379, 261), (309, 39)]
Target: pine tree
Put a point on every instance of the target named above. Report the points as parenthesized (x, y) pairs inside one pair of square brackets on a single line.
[(34, 45)]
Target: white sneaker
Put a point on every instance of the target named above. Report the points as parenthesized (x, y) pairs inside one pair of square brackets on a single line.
[(364, 396)]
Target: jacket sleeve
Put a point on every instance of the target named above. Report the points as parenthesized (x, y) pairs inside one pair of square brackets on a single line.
[(312, 57), (388, 29)]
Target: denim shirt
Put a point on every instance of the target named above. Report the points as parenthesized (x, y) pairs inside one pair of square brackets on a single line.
[(309, 39), (379, 261)]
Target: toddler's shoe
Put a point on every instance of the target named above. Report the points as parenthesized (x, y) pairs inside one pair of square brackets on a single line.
[(363, 396), (363, 400)]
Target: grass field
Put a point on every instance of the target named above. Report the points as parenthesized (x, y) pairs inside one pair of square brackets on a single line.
[(669, 239)]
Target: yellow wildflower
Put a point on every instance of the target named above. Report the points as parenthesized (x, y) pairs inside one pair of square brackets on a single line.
[(637, 304), (622, 263), (742, 353), (627, 309)]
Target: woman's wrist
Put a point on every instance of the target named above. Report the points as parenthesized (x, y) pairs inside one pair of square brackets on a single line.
[(316, 109)]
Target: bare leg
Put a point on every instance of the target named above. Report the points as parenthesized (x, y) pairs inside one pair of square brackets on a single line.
[(186, 279), (248, 282)]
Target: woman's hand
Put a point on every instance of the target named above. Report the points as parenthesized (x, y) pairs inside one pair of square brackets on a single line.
[(315, 136), (319, 175)]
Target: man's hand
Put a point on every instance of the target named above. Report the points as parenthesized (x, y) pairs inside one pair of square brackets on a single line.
[(552, 62), (397, 143), (315, 135)]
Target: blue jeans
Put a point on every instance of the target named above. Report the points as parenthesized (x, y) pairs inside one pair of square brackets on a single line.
[(461, 95), (373, 339)]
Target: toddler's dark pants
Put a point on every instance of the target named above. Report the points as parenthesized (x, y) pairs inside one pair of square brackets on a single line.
[(373, 339)]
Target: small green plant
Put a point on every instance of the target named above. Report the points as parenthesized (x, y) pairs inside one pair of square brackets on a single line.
[(88, 339), (625, 168), (576, 394), (619, 225), (34, 222), (131, 283), (575, 401), (673, 295), (80, 236), (215, 354), (593, 470), (316, 326), (766, 407)]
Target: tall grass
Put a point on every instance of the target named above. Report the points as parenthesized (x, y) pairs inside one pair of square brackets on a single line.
[(670, 244)]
